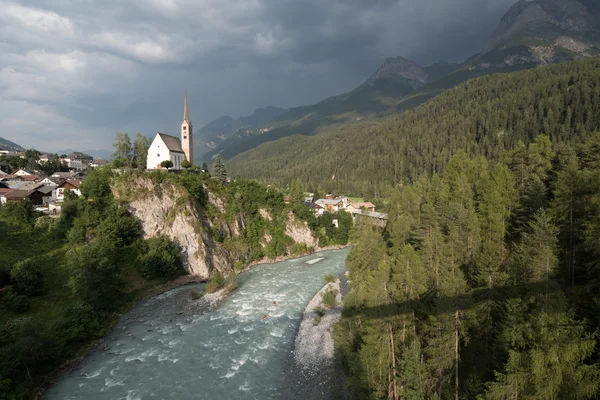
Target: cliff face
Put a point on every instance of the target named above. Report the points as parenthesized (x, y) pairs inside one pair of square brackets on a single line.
[(167, 209)]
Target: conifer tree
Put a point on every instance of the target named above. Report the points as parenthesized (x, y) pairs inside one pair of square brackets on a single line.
[(219, 170)]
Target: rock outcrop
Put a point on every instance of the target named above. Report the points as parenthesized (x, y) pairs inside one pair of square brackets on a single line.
[(401, 68), (165, 209), (541, 32), (299, 232), (168, 209)]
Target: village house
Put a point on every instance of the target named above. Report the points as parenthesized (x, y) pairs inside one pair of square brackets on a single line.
[(18, 195), (58, 194), (330, 205), (4, 167), (46, 192), (65, 175), (366, 205), (98, 162), (52, 181), (23, 172), (79, 161)]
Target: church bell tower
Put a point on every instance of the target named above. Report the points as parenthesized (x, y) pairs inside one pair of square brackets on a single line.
[(187, 132)]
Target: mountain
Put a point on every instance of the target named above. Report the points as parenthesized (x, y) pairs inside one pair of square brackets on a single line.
[(482, 117), (380, 95), (215, 132), (8, 145), (541, 32)]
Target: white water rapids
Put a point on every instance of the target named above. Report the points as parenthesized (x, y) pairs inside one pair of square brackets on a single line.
[(167, 348)]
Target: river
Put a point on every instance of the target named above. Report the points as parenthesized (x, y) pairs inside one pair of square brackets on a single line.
[(168, 348)]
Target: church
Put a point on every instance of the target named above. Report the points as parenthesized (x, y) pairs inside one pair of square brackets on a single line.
[(166, 147)]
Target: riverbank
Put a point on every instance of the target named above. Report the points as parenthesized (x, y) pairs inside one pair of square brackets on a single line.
[(314, 370)]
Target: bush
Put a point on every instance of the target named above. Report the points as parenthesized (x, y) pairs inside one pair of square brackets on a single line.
[(95, 275), (27, 276), (329, 298), (81, 322), (160, 259), (216, 282), (195, 293), (120, 227), (330, 278), (320, 312), (19, 213)]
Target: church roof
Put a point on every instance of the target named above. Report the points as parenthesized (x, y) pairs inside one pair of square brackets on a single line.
[(173, 143)]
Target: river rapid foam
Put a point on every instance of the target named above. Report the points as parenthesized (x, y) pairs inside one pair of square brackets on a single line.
[(166, 348)]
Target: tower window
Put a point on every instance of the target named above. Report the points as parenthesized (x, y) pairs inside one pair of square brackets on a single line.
[(185, 137), (158, 155), (185, 128)]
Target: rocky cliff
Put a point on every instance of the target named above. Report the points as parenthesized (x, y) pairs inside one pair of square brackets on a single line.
[(541, 32), (200, 230)]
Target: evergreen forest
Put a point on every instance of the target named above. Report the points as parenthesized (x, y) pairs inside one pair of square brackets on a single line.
[(485, 282)]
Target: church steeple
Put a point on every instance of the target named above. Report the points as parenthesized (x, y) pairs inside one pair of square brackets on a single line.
[(187, 132), (186, 115)]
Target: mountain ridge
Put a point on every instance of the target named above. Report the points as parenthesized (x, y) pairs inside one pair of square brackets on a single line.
[(6, 144)]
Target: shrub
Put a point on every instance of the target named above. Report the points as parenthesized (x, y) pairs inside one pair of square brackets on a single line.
[(186, 164), (195, 293), (81, 322), (19, 213), (160, 259), (216, 282), (120, 227), (330, 278), (27, 276), (317, 320), (320, 312), (95, 275), (328, 298)]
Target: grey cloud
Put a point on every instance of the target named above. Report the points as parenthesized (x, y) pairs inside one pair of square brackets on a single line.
[(89, 68)]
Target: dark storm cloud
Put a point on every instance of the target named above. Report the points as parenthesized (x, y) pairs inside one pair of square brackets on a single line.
[(74, 72)]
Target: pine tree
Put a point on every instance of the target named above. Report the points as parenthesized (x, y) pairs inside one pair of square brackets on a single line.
[(219, 170)]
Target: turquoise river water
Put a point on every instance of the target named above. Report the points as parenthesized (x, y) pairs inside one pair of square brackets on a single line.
[(169, 348)]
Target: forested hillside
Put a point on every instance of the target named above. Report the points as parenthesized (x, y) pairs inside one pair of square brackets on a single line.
[(484, 284), (482, 117)]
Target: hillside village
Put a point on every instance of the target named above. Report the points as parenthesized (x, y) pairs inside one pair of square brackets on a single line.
[(46, 189)]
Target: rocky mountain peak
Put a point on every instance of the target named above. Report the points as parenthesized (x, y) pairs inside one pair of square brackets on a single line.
[(400, 67), (546, 19)]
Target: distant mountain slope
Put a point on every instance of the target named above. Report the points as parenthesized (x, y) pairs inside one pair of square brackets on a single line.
[(215, 132), (481, 116), (6, 144), (378, 96), (532, 33)]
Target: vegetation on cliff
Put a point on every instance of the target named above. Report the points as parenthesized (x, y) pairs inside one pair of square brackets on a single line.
[(484, 283)]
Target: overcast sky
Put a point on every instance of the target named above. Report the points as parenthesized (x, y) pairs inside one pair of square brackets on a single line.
[(74, 72)]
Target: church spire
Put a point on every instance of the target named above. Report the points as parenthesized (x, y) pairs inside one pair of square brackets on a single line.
[(186, 115)]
